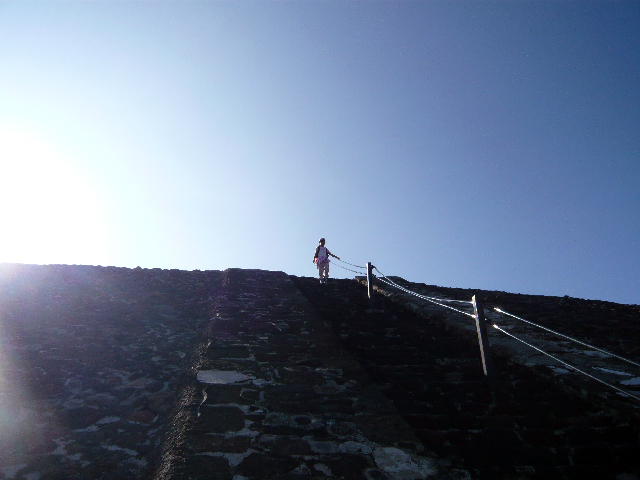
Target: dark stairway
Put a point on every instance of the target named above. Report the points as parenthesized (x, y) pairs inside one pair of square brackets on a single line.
[(521, 426)]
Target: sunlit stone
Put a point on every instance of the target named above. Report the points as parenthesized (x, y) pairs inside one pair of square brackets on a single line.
[(221, 377)]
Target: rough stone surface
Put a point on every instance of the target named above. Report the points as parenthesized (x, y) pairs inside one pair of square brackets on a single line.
[(604, 325), (110, 373), (91, 360), (302, 406)]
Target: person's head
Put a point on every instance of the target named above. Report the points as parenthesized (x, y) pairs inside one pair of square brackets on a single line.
[(321, 242)]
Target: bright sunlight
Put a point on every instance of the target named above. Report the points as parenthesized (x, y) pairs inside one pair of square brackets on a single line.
[(49, 212)]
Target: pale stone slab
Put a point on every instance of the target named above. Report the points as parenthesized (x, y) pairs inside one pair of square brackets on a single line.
[(222, 377)]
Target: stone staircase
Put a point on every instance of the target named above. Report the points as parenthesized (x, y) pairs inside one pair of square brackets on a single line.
[(522, 425), (279, 397), (110, 373)]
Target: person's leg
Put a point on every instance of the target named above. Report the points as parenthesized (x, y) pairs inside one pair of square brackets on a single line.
[(324, 272)]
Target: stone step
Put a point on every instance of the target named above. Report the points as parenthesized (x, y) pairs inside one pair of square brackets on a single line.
[(111, 373), (521, 425), (301, 405)]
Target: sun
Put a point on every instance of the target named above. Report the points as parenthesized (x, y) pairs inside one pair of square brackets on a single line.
[(48, 211)]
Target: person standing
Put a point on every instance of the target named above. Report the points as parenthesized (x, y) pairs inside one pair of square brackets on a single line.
[(321, 259)]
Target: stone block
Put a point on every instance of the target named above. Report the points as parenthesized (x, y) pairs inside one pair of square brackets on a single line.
[(218, 420), (260, 465), (620, 434), (458, 421), (203, 467), (593, 454), (287, 446), (502, 422)]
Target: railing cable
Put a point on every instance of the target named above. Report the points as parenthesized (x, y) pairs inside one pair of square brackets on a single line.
[(391, 283), (568, 365), (437, 301), (423, 296), (345, 268), (569, 338), (357, 266)]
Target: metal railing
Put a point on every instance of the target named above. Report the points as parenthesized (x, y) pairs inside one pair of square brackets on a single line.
[(481, 322)]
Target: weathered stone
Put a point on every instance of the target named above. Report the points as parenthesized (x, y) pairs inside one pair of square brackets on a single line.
[(305, 382), (219, 419)]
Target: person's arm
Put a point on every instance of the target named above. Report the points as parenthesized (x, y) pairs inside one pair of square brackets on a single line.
[(329, 253), (316, 254)]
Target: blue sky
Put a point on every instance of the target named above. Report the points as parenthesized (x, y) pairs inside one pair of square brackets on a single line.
[(464, 144)]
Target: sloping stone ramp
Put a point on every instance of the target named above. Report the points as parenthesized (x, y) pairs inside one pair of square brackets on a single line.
[(278, 397), (91, 360), (523, 425), (112, 373)]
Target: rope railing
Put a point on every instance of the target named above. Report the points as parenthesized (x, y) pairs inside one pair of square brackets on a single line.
[(392, 284), (351, 264), (421, 296), (478, 315), (569, 338), (480, 326), (568, 365), (345, 268)]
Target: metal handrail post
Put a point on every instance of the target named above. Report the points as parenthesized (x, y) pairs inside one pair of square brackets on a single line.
[(370, 284), (483, 340)]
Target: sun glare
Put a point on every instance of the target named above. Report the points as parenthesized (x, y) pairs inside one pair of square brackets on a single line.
[(49, 212)]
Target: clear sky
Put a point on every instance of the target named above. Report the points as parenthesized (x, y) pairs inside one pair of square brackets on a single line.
[(463, 144)]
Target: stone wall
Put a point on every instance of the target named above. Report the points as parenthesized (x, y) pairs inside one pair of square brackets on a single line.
[(603, 325), (91, 361), (110, 373)]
